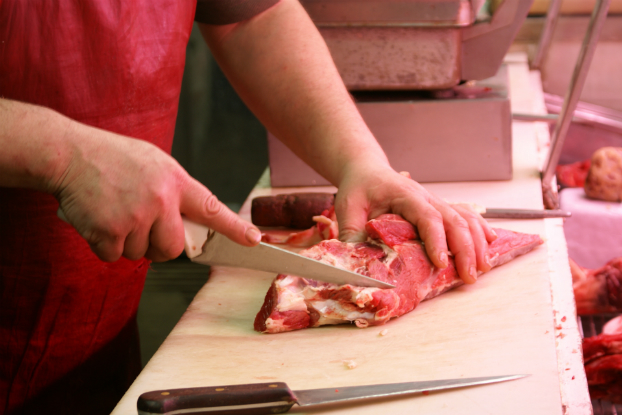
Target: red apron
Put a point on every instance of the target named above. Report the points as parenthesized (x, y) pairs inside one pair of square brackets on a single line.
[(67, 319)]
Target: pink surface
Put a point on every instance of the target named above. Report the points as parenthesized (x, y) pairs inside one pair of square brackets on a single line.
[(594, 232)]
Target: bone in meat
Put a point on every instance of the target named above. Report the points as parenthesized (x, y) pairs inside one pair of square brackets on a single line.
[(392, 254)]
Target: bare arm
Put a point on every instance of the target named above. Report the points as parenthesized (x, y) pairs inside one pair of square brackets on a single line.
[(123, 195), (280, 65)]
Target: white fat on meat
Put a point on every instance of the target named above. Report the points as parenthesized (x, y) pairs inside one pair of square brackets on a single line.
[(296, 295)]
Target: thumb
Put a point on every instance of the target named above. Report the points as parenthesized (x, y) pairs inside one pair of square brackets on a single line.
[(202, 206), (351, 218)]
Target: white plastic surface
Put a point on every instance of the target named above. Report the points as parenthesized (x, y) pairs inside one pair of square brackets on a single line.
[(594, 232)]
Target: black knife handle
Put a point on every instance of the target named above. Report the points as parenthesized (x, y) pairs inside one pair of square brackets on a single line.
[(251, 399)]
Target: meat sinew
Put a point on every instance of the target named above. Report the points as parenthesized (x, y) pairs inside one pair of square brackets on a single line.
[(392, 254)]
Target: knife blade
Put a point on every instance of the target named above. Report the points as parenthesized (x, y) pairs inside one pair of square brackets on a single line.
[(493, 213), (278, 398), (204, 246)]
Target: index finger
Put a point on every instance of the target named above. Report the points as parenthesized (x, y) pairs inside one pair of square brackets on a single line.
[(202, 206)]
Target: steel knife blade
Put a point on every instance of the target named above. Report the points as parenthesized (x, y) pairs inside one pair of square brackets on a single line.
[(204, 246), (277, 397)]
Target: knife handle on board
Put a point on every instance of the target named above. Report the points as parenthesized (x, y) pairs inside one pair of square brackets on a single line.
[(255, 398)]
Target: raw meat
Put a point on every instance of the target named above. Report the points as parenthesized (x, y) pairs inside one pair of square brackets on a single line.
[(294, 211), (598, 291), (604, 179), (602, 355), (391, 254), (573, 175), (325, 228)]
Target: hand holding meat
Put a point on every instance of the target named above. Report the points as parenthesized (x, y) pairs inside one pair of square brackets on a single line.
[(126, 197), (368, 192)]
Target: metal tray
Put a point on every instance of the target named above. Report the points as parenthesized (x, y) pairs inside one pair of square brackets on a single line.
[(415, 44)]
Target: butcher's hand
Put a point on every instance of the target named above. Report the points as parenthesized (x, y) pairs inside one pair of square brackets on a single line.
[(367, 192), (126, 197)]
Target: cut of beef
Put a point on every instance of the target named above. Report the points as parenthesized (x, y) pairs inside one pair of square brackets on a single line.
[(598, 291), (391, 254)]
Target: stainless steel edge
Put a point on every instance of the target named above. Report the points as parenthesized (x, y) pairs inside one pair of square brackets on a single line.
[(547, 33), (337, 394), (587, 113), (220, 250), (390, 13)]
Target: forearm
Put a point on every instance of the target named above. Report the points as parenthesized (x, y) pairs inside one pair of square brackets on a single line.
[(290, 82), (280, 65), (34, 152)]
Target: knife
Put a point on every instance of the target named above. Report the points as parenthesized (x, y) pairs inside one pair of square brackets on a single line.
[(204, 246), (277, 397), (492, 213)]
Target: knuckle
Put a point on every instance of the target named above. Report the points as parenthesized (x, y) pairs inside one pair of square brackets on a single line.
[(160, 199), (212, 205), (106, 252), (172, 250), (458, 221)]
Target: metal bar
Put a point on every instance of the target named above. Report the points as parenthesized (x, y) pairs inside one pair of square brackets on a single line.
[(579, 75), (550, 118), (547, 33)]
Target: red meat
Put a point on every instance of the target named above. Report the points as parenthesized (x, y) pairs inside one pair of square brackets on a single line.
[(293, 303), (573, 175), (598, 290)]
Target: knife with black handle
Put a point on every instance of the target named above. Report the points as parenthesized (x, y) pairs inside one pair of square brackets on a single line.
[(278, 398)]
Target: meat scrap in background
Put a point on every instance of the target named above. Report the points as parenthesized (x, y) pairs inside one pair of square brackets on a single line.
[(572, 175), (602, 356), (393, 254), (600, 176), (604, 179), (598, 291)]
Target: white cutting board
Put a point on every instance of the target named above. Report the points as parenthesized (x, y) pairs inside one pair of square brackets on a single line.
[(501, 325)]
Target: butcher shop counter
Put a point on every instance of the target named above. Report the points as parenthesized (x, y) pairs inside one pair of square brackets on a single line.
[(517, 319)]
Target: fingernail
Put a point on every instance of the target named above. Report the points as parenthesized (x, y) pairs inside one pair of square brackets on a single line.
[(253, 235), (443, 258), (473, 273), (493, 232), (487, 260)]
